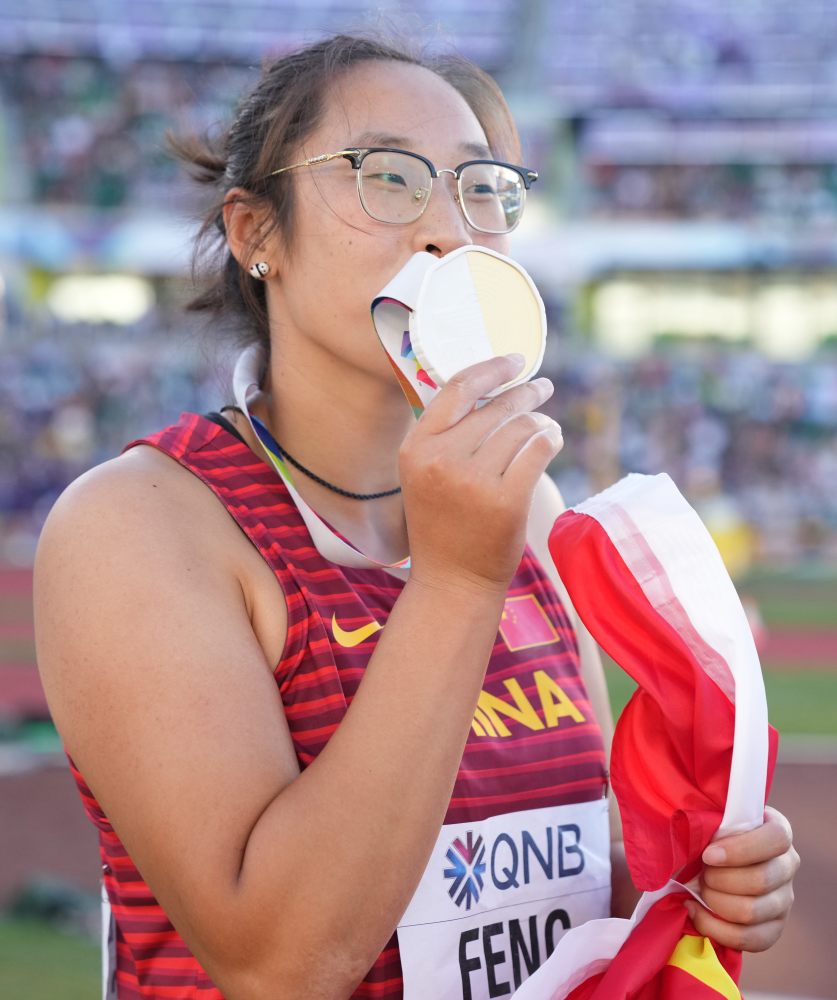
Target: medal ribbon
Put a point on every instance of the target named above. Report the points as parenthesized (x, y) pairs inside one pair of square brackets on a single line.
[(329, 542)]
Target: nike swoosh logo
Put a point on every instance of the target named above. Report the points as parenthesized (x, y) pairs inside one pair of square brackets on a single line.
[(355, 636)]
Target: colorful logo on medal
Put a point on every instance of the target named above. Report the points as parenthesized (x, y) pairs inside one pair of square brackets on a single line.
[(408, 353), (467, 867)]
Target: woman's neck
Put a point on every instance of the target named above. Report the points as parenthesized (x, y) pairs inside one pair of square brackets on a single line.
[(346, 425)]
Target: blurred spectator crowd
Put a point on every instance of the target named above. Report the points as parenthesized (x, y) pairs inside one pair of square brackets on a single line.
[(746, 439), (640, 110), (609, 47), (774, 193), (73, 396), (749, 441), (92, 132)]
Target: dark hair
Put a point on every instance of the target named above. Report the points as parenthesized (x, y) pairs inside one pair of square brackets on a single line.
[(270, 123)]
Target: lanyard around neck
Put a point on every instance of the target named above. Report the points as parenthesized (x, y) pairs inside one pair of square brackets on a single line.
[(329, 542)]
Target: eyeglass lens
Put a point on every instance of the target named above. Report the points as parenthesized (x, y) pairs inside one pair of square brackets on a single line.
[(395, 187)]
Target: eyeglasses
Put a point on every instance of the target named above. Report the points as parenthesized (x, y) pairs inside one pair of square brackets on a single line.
[(394, 186)]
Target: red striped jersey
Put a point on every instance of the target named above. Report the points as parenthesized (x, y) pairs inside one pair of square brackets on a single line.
[(533, 743)]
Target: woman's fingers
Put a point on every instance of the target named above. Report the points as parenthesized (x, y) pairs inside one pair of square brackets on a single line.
[(770, 840), (742, 937), (748, 884), (482, 425), (753, 863), (753, 880), (495, 432), (468, 474), (533, 457), (750, 910), (497, 452), (461, 394)]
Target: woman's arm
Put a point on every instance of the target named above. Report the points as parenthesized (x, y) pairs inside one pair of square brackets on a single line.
[(748, 878), (282, 884)]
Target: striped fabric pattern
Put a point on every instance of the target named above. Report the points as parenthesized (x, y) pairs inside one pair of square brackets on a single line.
[(541, 745)]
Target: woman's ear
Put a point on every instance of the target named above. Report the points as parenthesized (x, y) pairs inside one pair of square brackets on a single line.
[(244, 224)]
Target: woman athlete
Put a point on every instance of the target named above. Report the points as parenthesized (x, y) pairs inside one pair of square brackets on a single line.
[(269, 741)]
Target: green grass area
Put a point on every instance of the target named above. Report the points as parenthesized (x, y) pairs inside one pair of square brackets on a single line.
[(799, 702), (620, 687), (802, 702), (794, 598), (39, 962)]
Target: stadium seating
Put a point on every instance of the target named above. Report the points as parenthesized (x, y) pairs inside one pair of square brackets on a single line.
[(663, 113)]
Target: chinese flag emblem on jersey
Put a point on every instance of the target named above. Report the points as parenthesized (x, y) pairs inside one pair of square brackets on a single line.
[(692, 753), (524, 624)]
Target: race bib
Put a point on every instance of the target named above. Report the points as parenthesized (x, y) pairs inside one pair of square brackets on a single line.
[(497, 896)]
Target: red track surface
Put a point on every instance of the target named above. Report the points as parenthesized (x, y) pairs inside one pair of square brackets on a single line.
[(43, 829), (800, 647)]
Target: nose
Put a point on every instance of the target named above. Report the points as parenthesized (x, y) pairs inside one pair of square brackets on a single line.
[(442, 227)]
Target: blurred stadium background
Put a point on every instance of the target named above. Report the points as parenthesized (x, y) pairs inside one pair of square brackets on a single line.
[(684, 235)]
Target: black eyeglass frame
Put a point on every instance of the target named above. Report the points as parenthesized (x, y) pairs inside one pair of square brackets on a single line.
[(356, 156)]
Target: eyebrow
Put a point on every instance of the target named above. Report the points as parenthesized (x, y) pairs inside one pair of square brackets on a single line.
[(476, 149)]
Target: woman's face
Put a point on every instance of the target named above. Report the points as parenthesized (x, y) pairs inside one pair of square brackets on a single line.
[(339, 257)]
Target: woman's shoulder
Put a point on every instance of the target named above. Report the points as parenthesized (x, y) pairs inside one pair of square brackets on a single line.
[(143, 488), (142, 527), (135, 511), (133, 536), (158, 462)]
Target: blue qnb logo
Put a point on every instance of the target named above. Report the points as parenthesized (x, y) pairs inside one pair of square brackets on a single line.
[(467, 868)]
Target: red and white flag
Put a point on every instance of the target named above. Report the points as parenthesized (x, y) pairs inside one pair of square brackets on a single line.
[(692, 754)]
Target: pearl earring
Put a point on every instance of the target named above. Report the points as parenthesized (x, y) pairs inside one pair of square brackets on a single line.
[(260, 269)]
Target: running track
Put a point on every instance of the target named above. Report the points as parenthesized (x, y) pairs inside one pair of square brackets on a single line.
[(43, 829)]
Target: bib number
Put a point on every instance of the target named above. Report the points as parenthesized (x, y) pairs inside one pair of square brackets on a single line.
[(497, 896)]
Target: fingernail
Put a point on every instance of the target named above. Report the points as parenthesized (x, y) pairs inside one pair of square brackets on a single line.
[(517, 359), (714, 855)]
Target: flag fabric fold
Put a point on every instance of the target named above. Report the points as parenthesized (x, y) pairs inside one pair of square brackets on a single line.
[(692, 753)]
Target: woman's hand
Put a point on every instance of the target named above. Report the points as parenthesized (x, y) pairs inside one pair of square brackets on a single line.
[(468, 475), (748, 883)]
